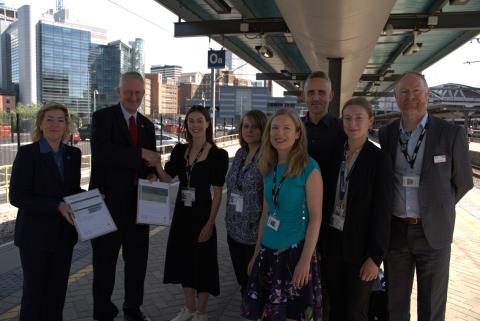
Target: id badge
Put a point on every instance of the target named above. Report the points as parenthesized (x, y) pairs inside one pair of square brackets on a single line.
[(237, 201), (273, 223), (337, 220), (439, 159), (188, 196), (411, 181)]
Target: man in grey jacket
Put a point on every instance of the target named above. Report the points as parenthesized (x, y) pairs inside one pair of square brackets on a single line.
[(432, 172)]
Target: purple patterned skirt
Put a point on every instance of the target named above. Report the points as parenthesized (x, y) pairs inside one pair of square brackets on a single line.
[(270, 294)]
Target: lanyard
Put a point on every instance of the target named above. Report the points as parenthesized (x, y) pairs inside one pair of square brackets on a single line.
[(190, 167), (404, 146), (243, 169), (344, 179), (275, 190)]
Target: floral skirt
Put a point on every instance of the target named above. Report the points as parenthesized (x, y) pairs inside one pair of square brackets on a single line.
[(270, 294)]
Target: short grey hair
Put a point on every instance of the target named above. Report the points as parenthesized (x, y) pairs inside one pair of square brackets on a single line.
[(320, 75), (414, 73), (131, 74)]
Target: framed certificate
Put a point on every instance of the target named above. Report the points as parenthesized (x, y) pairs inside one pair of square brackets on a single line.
[(90, 215), (153, 203)]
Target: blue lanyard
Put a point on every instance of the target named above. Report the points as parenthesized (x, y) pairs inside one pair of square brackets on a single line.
[(345, 177), (275, 190)]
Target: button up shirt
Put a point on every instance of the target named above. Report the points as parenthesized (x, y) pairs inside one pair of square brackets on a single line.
[(406, 198), (45, 148)]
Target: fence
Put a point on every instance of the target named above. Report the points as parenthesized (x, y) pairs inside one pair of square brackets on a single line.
[(164, 150)]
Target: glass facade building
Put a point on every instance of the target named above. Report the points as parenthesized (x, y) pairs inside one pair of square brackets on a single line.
[(49, 60), (9, 45), (62, 66), (108, 62)]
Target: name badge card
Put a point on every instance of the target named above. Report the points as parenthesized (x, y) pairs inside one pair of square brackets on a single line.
[(273, 222), (337, 220), (237, 201), (439, 159), (188, 196), (411, 181)]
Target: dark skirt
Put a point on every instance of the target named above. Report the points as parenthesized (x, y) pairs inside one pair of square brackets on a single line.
[(270, 294)]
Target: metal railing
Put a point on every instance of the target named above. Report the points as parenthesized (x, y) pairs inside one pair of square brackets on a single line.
[(164, 150)]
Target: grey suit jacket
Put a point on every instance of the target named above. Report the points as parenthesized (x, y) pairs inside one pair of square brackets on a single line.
[(442, 184)]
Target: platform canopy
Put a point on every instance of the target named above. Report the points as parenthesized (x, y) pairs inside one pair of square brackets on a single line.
[(363, 44)]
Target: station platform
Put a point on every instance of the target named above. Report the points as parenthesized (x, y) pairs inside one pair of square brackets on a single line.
[(162, 302)]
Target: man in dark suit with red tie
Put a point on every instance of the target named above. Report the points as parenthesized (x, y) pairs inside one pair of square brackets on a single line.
[(120, 134)]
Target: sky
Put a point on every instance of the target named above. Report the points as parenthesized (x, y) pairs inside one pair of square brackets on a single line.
[(146, 19)]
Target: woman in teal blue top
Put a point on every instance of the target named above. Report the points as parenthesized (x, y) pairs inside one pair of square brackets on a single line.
[(284, 280)]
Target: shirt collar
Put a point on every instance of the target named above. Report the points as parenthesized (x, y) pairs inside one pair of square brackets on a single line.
[(126, 114), (421, 124), (327, 120), (45, 147)]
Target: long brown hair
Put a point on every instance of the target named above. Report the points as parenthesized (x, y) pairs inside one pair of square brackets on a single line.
[(298, 155), (37, 132), (202, 110), (258, 118)]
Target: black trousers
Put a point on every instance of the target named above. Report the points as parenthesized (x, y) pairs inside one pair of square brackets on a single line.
[(349, 295), (45, 279), (241, 255), (134, 240)]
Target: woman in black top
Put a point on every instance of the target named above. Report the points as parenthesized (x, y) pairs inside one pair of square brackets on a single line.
[(358, 228), (191, 258)]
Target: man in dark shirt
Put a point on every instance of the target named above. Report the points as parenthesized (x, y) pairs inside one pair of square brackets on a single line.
[(325, 137), (325, 144)]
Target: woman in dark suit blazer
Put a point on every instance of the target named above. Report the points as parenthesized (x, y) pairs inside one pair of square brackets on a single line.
[(358, 228), (43, 173)]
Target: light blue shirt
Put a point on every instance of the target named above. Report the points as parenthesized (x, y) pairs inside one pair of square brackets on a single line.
[(45, 148), (406, 198), (292, 208), (127, 115)]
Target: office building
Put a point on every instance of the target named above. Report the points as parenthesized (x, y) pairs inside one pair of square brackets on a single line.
[(191, 78), (63, 66), (167, 71), (45, 58), (108, 63), (164, 95)]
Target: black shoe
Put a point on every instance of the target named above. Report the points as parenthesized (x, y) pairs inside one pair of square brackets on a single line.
[(137, 316)]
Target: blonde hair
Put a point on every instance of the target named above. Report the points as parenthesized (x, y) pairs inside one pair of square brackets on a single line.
[(37, 132), (298, 155)]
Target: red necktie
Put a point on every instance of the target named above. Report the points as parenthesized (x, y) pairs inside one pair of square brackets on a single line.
[(132, 127)]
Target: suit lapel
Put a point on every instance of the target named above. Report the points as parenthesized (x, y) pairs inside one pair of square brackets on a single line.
[(140, 129), (51, 166), (67, 164), (432, 133), (393, 141), (122, 124), (358, 171)]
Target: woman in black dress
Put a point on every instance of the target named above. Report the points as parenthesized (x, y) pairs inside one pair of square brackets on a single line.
[(191, 258)]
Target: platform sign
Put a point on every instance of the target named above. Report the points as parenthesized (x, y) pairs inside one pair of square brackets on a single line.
[(216, 59)]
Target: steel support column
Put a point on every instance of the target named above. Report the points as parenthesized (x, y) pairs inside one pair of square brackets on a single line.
[(335, 74)]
